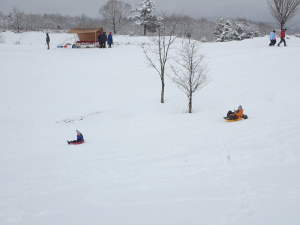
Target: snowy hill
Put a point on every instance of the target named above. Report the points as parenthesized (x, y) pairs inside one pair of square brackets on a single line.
[(145, 163)]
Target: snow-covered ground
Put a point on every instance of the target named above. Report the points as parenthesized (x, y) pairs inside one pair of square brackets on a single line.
[(145, 163)]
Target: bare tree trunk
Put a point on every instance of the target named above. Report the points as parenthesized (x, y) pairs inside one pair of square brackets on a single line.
[(191, 103), (162, 77), (114, 25), (145, 29), (162, 94)]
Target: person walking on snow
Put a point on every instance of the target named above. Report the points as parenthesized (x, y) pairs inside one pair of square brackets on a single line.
[(48, 41), (109, 40), (282, 37), (272, 38), (79, 139)]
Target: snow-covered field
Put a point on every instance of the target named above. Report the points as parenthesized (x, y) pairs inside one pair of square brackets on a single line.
[(145, 163)]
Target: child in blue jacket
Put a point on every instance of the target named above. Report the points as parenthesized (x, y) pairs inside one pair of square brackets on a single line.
[(79, 139), (109, 40)]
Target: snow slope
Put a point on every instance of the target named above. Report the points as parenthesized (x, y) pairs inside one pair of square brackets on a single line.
[(145, 163)]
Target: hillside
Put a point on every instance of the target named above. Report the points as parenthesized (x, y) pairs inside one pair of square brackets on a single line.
[(145, 163)]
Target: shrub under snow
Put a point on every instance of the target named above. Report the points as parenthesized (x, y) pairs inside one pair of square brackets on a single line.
[(229, 30)]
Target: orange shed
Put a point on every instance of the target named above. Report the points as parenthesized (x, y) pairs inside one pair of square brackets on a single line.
[(87, 35)]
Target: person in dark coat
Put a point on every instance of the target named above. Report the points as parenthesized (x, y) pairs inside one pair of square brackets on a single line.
[(100, 40), (79, 139), (48, 41), (110, 40)]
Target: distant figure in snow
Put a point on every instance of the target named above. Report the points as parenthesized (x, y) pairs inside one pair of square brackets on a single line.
[(48, 41), (272, 38), (79, 139), (110, 40), (102, 39), (105, 39), (282, 37)]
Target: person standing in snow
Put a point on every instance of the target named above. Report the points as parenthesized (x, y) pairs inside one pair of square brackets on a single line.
[(79, 139), (100, 40), (104, 39), (109, 40), (272, 38), (48, 41), (282, 37)]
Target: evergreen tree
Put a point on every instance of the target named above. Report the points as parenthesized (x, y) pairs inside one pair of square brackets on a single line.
[(229, 30), (145, 16)]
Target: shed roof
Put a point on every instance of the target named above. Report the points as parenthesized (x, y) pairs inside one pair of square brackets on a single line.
[(83, 31)]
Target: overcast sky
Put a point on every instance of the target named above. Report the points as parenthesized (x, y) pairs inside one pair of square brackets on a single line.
[(251, 9)]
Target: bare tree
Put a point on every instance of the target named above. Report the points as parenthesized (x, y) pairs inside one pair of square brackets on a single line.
[(116, 12), (2, 20), (190, 72), (16, 19), (157, 54), (283, 10)]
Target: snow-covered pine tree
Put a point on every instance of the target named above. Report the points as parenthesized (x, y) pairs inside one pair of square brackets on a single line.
[(145, 16), (226, 30), (229, 30)]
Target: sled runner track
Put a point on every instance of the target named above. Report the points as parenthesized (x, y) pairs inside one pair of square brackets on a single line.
[(79, 118)]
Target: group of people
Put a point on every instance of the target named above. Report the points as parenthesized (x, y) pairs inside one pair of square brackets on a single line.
[(282, 36), (103, 38)]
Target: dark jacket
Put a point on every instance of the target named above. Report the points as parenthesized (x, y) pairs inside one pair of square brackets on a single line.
[(80, 138), (99, 38), (47, 38), (102, 38)]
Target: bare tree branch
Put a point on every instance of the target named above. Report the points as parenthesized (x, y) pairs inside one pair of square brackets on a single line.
[(116, 12), (158, 53), (190, 72), (283, 10)]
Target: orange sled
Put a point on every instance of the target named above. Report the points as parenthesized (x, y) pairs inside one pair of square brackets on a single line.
[(235, 120)]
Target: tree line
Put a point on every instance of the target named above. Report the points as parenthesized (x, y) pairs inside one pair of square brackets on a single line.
[(120, 17)]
